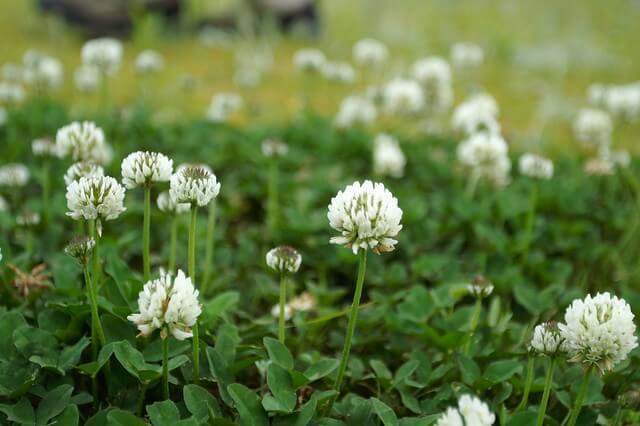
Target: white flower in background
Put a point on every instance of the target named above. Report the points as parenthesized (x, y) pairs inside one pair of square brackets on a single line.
[(471, 409), (480, 287), (44, 147), (593, 126), (535, 166), (369, 52), (486, 157), (596, 94), (4, 206), (466, 55), (403, 97), (168, 204), (149, 62), (288, 312), (141, 168), (355, 110), (451, 417), (622, 101), (87, 78), (599, 331), (284, 258), (303, 302), (11, 93), (81, 248), (434, 74), (13, 73), (223, 105), (82, 142), (547, 339), (28, 219), (367, 216), (82, 169), (599, 166), (309, 60), (274, 148), (341, 72), (476, 114), (194, 185), (14, 174), (169, 305), (105, 54), (43, 71), (185, 166), (99, 197), (388, 158)]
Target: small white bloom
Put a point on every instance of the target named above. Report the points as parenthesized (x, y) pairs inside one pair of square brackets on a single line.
[(476, 114), (43, 71), (535, 166), (303, 302), (223, 105), (105, 54), (481, 287), (87, 78), (451, 417), (355, 110), (11, 93), (81, 248), (434, 74), (467, 55), (370, 52), (149, 62), (194, 185), (167, 304), (274, 148), (486, 157), (388, 158), (593, 126), (82, 169), (367, 216), (13, 73), (82, 142), (475, 412), (622, 101), (167, 204), (14, 174), (599, 330), (341, 72), (284, 258), (28, 218), (403, 97), (547, 339), (141, 168), (309, 60), (44, 147), (95, 197), (288, 312)]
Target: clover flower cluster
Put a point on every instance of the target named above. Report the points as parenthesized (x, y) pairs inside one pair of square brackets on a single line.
[(309, 60), (140, 168), (621, 100), (104, 54), (434, 74), (44, 147), (547, 339), (80, 248), (340, 72), (355, 110), (223, 105), (83, 141), (478, 113), (480, 287), (593, 126), (466, 55), (470, 411), (11, 93), (149, 62), (87, 78), (100, 197), (403, 97), (28, 219), (274, 148), (284, 258), (485, 155), (369, 52), (166, 203), (388, 158), (82, 169), (535, 166), (42, 70), (14, 175), (194, 185), (304, 302)]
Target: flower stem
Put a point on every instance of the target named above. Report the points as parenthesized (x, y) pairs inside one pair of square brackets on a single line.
[(146, 229), (352, 323), (475, 317), (547, 391), (173, 244), (94, 338), (165, 367), (210, 242), (93, 286), (580, 398), (272, 206), (527, 384), (192, 275), (283, 300), (530, 221), (46, 189)]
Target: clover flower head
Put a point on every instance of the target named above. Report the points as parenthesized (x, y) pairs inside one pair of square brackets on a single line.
[(80, 248), (83, 142), (547, 339), (141, 168), (169, 305), (593, 126), (340, 72), (470, 411), (480, 287), (434, 74), (149, 62), (194, 185), (403, 97), (13, 175), (104, 53), (309, 60), (622, 101), (223, 105), (355, 110), (167, 204), (388, 158), (11, 93), (467, 55), (43, 71), (485, 156), (370, 52), (303, 302), (44, 147), (476, 114), (535, 166), (82, 169), (87, 78), (599, 331), (98, 197), (284, 258), (274, 148), (288, 312), (367, 216), (28, 219), (451, 417)]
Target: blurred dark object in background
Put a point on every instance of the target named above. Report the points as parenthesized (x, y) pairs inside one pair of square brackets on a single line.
[(113, 17)]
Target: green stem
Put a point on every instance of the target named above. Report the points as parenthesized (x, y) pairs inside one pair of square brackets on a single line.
[(580, 398), (94, 337), (146, 230), (210, 242), (475, 317), (93, 287), (272, 198), (527, 384), (165, 367), (192, 275), (173, 244), (530, 221), (141, 397), (351, 325), (196, 353), (45, 191), (548, 381), (283, 300)]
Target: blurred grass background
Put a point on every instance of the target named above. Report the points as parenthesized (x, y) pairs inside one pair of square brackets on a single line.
[(540, 57)]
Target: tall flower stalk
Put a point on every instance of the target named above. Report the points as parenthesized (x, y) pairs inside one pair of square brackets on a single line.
[(273, 149), (480, 288), (546, 341), (191, 262), (535, 167), (582, 393), (166, 203), (548, 382), (283, 259)]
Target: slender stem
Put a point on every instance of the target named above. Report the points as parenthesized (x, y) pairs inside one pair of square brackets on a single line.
[(146, 229), (94, 338), (530, 221), (93, 287), (173, 244), (210, 242), (283, 300), (548, 382), (46, 179), (141, 397), (192, 275), (351, 325), (527, 384), (272, 198), (580, 398), (196, 353), (475, 317), (165, 367)]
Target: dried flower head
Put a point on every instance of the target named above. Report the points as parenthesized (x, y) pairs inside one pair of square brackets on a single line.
[(28, 282), (81, 248), (194, 185), (141, 168), (547, 339), (284, 258), (99, 197)]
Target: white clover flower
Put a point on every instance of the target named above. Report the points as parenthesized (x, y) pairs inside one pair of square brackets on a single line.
[(309, 60), (535, 166), (28, 218), (367, 216), (303, 302), (82, 169), (274, 148), (370, 52), (11, 93), (43, 71), (355, 110), (593, 126), (622, 101), (169, 305), (466, 55), (599, 331), (194, 185), (341, 72), (451, 417), (167, 204), (434, 74), (81, 248), (471, 411), (476, 114), (141, 168), (481, 287), (284, 258), (44, 147), (547, 339), (99, 197), (403, 97), (13, 73), (388, 158), (223, 105), (486, 157), (82, 142), (87, 78), (105, 54), (14, 174), (288, 312), (149, 62)]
